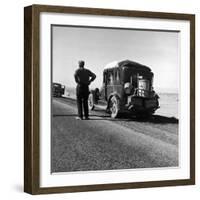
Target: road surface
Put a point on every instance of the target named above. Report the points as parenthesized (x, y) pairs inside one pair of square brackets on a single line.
[(102, 143)]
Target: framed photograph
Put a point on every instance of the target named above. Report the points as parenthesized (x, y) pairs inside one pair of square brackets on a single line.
[(109, 99)]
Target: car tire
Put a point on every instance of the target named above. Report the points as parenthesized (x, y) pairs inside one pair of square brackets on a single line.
[(114, 107), (91, 102)]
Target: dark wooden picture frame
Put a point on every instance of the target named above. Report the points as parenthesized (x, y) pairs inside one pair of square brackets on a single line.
[(32, 93)]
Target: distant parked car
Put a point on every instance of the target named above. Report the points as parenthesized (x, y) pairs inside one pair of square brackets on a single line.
[(58, 90), (127, 87)]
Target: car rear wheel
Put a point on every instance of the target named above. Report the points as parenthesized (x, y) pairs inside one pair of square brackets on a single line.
[(114, 107), (91, 102)]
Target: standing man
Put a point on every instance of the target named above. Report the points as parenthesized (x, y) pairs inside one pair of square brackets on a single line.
[(83, 78)]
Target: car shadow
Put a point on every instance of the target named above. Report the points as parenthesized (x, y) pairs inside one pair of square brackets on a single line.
[(97, 114), (155, 119), (64, 115), (93, 117)]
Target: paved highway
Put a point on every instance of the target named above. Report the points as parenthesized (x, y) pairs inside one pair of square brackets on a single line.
[(102, 143)]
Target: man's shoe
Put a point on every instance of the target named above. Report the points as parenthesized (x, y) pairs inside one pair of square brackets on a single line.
[(79, 118), (87, 118)]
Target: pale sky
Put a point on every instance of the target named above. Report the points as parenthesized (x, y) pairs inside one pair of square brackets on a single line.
[(99, 46)]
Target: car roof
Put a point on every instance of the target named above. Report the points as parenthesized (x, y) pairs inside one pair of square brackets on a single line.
[(56, 83), (116, 64)]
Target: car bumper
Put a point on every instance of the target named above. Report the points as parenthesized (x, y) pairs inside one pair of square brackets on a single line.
[(142, 104)]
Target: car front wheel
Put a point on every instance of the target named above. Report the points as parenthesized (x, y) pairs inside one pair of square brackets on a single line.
[(91, 102)]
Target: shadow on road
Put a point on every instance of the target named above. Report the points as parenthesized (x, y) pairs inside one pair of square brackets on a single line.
[(64, 115), (99, 114), (158, 119), (155, 119)]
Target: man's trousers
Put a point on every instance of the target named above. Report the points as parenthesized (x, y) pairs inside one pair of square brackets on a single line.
[(82, 92)]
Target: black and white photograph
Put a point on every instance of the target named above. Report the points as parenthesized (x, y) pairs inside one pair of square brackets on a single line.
[(109, 99), (114, 99)]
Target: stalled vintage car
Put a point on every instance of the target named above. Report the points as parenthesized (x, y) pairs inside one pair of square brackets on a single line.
[(58, 90), (127, 87)]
